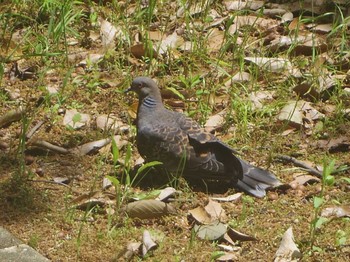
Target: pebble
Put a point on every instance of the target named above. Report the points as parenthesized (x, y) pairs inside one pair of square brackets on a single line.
[(28, 159)]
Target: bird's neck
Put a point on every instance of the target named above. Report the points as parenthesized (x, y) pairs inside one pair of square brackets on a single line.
[(150, 102)]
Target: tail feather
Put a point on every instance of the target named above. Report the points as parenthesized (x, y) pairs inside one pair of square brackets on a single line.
[(255, 180)]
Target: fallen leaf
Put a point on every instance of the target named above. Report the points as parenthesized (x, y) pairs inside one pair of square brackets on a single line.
[(336, 211), (91, 59), (235, 235), (259, 97), (287, 251), (166, 193), (147, 243), (108, 33), (200, 215), (215, 121), (148, 208), (131, 250), (91, 147), (227, 257), (274, 64), (304, 179), (340, 144), (210, 232), (143, 50), (215, 39), (11, 116), (170, 42), (215, 211), (75, 120), (230, 198)]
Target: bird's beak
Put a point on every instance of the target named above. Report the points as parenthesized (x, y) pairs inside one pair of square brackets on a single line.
[(127, 90)]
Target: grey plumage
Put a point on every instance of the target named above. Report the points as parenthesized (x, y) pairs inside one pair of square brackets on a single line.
[(173, 138)]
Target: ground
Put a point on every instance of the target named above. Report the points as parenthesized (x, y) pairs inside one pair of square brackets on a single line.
[(48, 68)]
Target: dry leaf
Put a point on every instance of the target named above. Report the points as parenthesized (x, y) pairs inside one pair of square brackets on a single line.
[(131, 250), (215, 39), (303, 179), (230, 198), (147, 243), (166, 193), (200, 215), (109, 122), (90, 200), (91, 59), (170, 42), (227, 257), (260, 96), (336, 211), (141, 50), (91, 147), (234, 235), (215, 121), (75, 120), (210, 232), (340, 144), (253, 21), (108, 33), (274, 64), (148, 208), (288, 251), (215, 211), (11, 116)]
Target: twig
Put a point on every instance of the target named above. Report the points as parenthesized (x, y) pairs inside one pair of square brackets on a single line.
[(48, 181), (301, 164), (47, 145), (31, 132)]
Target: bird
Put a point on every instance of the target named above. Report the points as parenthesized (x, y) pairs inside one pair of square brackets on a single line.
[(181, 144)]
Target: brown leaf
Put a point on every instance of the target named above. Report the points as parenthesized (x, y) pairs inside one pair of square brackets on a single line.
[(303, 179), (200, 215), (215, 211), (215, 121), (234, 235), (340, 144), (148, 208), (141, 50), (336, 211), (215, 39)]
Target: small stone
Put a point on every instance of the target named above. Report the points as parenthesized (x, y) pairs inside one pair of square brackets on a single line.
[(39, 171), (4, 145), (272, 195), (28, 159)]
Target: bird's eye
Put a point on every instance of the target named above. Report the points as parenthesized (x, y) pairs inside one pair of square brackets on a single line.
[(140, 86)]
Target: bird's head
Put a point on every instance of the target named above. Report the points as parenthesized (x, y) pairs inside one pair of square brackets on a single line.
[(143, 87)]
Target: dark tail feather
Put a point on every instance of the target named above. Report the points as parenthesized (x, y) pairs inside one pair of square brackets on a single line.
[(256, 180)]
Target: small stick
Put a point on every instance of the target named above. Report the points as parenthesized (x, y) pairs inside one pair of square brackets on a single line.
[(47, 145), (48, 181), (301, 164), (31, 132)]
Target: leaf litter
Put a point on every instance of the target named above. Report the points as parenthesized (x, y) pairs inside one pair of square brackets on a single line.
[(271, 27)]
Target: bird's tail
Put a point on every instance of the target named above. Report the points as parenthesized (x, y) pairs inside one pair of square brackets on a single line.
[(256, 180)]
